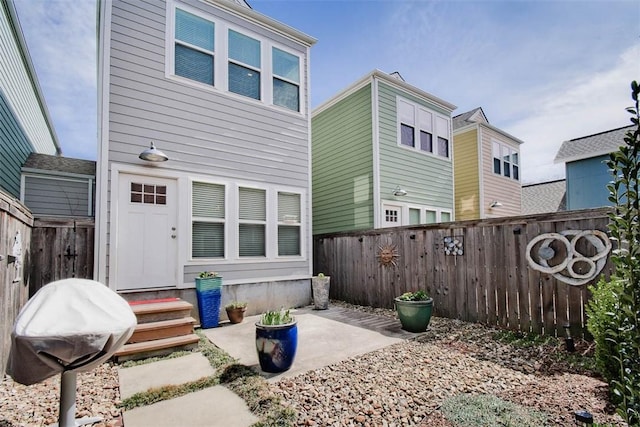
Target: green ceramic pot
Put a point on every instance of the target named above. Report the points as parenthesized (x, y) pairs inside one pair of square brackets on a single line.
[(414, 315)]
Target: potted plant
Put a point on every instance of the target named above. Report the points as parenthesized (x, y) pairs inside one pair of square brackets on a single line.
[(276, 340), (208, 284), (320, 289), (414, 310), (235, 311)]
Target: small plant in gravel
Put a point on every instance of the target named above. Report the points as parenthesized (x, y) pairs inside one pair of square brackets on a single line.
[(483, 410), (524, 339)]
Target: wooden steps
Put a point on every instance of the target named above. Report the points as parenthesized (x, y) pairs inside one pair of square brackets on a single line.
[(164, 326)]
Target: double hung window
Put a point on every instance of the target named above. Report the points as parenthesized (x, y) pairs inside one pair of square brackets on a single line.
[(252, 221), (248, 65), (286, 79), (244, 65), (506, 161), (288, 224), (194, 47), (420, 128), (208, 220)]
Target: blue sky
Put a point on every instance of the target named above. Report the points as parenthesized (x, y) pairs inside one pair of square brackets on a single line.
[(544, 71)]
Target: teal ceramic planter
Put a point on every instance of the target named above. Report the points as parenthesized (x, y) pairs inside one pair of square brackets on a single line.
[(414, 315)]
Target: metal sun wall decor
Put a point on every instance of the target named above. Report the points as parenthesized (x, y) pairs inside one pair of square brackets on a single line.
[(454, 245), (387, 254), (565, 271)]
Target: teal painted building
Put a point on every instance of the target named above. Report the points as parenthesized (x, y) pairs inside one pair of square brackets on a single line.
[(587, 173), (381, 157)]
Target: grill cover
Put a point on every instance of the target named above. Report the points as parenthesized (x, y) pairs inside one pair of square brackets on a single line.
[(69, 325)]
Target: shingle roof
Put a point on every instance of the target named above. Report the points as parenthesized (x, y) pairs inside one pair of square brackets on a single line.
[(60, 164), (595, 145), (464, 119), (544, 197)]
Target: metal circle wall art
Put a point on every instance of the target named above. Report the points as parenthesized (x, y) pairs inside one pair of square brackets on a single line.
[(567, 269)]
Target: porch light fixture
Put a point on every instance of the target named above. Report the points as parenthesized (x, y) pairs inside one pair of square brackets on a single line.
[(152, 154), (399, 191), (495, 204)]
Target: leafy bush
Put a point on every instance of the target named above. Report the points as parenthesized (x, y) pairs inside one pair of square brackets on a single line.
[(600, 308), (487, 411), (617, 332)]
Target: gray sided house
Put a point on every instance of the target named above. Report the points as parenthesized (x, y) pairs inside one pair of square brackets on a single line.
[(382, 157), (587, 174), (55, 186), (25, 126), (223, 92)]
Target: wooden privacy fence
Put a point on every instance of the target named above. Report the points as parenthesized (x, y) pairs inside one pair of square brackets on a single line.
[(60, 248), (15, 237), (491, 282)]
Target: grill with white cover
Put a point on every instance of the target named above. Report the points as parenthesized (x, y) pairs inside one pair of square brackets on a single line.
[(68, 326)]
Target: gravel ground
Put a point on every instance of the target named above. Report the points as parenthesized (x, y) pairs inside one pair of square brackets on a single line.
[(401, 385)]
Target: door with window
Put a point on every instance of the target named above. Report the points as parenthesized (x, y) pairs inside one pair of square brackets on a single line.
[(391, 215), (146, 251)]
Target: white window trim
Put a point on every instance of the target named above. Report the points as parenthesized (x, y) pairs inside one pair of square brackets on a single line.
[(221, 60), (416, 126), (404, 215), (232, 222), (511, 150)]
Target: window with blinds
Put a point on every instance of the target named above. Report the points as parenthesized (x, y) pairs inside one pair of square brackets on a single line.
[(194, 47), (289, 229), (286, 79), (208, 220), (244, 65), (252, 221)]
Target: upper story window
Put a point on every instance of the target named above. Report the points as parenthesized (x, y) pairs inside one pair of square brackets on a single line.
[(247, 65), (419, 128), (244, 65), (194, 47), (286, 79), (506, 161)]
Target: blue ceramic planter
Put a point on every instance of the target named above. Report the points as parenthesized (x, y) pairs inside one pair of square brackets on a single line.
[(276, 346)]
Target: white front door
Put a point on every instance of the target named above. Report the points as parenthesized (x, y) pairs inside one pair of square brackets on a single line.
[(391, 215), (147, 245)]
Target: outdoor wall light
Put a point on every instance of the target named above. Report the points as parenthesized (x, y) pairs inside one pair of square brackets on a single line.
[(399, 191), (495, 204), (152, 154)]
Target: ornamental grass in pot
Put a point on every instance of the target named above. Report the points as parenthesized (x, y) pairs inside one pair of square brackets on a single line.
[(276, 340)]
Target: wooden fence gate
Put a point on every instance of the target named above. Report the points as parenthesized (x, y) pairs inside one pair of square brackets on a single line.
[(490, 281), (60, 248)]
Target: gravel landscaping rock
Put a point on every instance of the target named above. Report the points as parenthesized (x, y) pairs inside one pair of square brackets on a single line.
[(401, 385)]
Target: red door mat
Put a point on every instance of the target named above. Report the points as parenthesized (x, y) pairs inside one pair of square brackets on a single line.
[(154, 301)]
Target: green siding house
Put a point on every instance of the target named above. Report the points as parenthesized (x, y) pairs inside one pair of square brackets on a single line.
[(381, 157)]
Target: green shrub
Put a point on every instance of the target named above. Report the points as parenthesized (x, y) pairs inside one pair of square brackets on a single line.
[(601, 317), (619, 333), (483, 410)]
